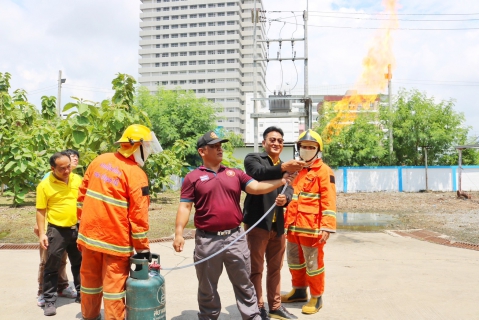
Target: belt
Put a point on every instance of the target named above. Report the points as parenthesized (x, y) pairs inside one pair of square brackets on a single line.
[(59, 227), (222, 233)]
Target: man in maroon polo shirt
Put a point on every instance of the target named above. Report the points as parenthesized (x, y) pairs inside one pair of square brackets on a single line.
[(215, 191)]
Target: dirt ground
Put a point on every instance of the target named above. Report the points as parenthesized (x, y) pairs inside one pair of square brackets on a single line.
[(441, 212), (436, 211)]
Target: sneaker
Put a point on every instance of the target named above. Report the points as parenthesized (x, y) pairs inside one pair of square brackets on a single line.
[(264, 315), (295, 295), (50, 309), (41, 301), (78, 298), (313, 305), (281, 313), (68, 292)]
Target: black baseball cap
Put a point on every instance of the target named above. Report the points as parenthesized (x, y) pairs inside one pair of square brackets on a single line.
[(209, 138)]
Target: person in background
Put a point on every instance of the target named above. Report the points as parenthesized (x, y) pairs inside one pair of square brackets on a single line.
[(267, 239), (215, 191), (56, 204), (64, 289), (113, 212), (309, 220)]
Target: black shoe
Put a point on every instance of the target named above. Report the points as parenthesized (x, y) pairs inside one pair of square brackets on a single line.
[(264, 315), (281, 313), (50, 308), (78, 298)]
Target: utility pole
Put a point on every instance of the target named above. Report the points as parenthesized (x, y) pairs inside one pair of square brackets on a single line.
[(59, 95), (389, 77), (255, 103), (307, 101)]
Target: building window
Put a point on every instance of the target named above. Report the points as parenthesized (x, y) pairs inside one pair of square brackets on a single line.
[(192, 53), (174, 82), (201, 90), (211, 52), (221, 33), (211, 14), (230, 51), (230, 23), (192, 63), (221, 61), (183, 54), (211, 61), (211, 43), (174, 26), (166, 27), (201, 53), (182, 26), (166, 8), (164, 83), (174, 35), (230, 42), (202, 6), (202, 62), (183, 44), (211, 80), (166, 36), (211, 24), (158, 27), (164, 54), (231, 31), (166, 18), (184, 16), (211, 33), (221, 42), (221, 51), (192, 44), (182, 81), (211, 90), (157, 55), (202, 43), (230, 13), (157, 64), (211, 5), (164, 64), (221, 14), (164, 45), (221, 4), (174, 17), (192, 81), (231, 4), (158, 37), (230, 61), (201, 81), (202, 24), (192, 16), (174, 54), (182, 63), (174, 64), (158, 18), (202, 34), (193, 7), (202, 15), (221, 23), (175, 8), (192, 34), (174, 45), (184, 7)]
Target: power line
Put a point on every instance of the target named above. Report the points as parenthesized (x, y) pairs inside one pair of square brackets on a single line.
[(383, 13), (371, 19), (379, 28)]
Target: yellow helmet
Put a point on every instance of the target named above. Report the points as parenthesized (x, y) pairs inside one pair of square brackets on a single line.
[(310, 135), (135, 133)]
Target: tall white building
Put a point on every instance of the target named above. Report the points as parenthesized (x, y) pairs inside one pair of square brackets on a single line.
[(205, 46)]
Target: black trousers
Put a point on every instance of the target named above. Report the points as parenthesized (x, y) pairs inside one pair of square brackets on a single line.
[(59, 240)]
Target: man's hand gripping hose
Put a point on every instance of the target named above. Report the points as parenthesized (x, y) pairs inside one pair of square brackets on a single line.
[(230, 244)]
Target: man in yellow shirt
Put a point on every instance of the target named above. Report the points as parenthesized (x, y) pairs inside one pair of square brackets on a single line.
[(56, 198)]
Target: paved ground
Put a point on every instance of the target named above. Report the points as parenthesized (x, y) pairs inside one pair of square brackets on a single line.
[(369, 276)]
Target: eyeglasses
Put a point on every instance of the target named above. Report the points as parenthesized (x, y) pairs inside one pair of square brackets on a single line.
[(273, 140)]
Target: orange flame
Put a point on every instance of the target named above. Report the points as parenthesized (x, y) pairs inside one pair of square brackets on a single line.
[(372, 80)]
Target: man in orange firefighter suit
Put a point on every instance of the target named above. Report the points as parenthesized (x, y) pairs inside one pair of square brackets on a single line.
[(309, 219), (114, 221)]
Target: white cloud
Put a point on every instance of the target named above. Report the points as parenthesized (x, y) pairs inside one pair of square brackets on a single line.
[(91, 41)]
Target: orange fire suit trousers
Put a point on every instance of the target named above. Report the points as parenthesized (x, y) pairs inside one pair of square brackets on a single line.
[(305, 260), (103, 275)]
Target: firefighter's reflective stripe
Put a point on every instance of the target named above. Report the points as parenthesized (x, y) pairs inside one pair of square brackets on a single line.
[(312, 232), (110, 200), (79, 204), (297, 266), (314, 272), (295, 197), (329, 213), (91, 290), (104, 245), (310, 195), (139, 235), (114, 296)]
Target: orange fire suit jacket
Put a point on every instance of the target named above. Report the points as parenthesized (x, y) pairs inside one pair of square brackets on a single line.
[(313, 207), (114, 197)]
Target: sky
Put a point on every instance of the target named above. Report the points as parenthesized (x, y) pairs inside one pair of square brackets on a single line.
[(91, 41)]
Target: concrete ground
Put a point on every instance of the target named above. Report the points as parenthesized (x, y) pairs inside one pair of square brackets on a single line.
[(368, 276)]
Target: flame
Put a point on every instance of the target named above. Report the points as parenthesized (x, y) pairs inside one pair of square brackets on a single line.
[(372, 80)]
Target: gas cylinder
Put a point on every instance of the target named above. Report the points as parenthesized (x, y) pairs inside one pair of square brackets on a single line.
[(145, 290)]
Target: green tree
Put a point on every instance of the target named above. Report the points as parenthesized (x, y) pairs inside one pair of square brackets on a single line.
[(178, 115), (420, 122), (356, 144), (49, 107)]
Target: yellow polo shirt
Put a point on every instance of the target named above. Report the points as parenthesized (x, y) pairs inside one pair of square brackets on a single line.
[(59, 199)]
